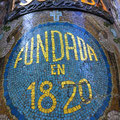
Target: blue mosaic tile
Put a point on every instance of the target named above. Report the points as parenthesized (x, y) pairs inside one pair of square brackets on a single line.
[(92, 118), (19, 81)]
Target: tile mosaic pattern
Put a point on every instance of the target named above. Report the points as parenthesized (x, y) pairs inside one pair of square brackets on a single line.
[(23, 83), (56, 15)]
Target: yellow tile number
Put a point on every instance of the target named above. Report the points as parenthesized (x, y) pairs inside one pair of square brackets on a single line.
[(81, 91), (75, 108), (46, 94), (32, 88)]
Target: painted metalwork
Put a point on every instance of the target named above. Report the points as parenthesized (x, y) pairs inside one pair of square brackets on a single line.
[(59, 5)]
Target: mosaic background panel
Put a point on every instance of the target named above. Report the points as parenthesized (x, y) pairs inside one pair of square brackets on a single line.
[(18, 80)]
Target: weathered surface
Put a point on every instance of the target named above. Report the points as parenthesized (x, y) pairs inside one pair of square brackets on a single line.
[(102, 71)]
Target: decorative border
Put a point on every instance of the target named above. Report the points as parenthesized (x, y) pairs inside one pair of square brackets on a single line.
[(99, 112), (60, 5)]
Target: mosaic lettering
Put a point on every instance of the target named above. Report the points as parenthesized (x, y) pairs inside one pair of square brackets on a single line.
[(57, 71)]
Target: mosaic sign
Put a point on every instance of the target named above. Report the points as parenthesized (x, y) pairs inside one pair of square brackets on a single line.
[(57, 71), (98, 7)]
